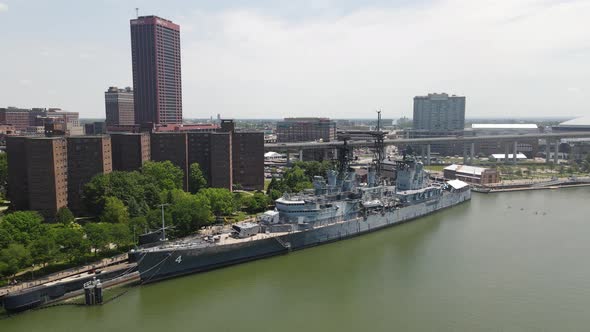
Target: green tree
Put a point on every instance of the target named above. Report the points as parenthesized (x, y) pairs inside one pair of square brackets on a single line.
[(114, 211), (64, 216), (126, 186), (258, 202), (98, 235), (221, 200), (196, 179), (164, 174), (71, 242), (296, 180), (189, 212), (14, 258), (120, 235), (44, 250), (23, 226)]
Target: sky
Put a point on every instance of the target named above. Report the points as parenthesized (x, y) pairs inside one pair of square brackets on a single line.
[(284, 58)]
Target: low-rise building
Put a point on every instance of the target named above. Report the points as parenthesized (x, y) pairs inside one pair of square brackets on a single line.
[(527, 146), (471, 174)]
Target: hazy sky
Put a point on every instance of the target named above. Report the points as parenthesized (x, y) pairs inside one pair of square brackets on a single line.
[(336, 58)]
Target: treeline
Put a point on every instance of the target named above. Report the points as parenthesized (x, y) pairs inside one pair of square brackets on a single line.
[(25, 239), (136, 198), (123, 205)]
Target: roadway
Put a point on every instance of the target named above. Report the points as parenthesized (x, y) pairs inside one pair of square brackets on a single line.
[(284, 147)]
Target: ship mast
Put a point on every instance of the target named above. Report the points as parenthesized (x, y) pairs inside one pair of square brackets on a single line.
[(379, 152)]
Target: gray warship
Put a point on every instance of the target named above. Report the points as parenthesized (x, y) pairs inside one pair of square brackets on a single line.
[(337, 208)]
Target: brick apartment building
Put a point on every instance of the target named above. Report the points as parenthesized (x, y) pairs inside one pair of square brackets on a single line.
[(46, 173), (87, 157), (130, 150), (173, 147), (38, 178)]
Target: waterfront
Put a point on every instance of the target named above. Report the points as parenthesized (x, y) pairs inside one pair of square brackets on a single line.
[(510, 261)]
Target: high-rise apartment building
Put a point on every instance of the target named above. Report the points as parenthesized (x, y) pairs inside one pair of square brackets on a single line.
[(213, 152), (119, 107), (87, 156), (155, 50), (306, 130), (37, 174), (439, 112), (130, 150), (248, 159), (172, 147)]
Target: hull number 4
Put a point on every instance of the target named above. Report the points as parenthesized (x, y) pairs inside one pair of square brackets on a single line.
[(178, 259)]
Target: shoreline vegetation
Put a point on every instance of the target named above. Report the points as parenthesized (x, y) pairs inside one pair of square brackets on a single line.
[(119, 206)]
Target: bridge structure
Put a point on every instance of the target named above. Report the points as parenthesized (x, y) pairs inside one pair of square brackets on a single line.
[(509, 141)]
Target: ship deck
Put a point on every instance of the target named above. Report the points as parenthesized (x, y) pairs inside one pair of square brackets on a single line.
[(225, 239)]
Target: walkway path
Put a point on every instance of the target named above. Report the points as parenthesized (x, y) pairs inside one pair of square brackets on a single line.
[(63, 274)]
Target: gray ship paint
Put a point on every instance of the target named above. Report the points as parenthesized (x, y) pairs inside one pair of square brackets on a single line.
[(337, 209)]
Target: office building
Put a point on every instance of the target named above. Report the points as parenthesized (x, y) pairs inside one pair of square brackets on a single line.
[(17, 117), (439, 115), (37, 174), (439, 112), (119, 107), (155, 50), (87, 156), (306, 130), (130, 150), (95, 128)]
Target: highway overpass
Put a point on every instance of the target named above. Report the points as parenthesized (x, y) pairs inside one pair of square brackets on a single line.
[(468, 141)]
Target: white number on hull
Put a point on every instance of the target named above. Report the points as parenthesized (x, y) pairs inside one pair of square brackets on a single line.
[(178, 259)]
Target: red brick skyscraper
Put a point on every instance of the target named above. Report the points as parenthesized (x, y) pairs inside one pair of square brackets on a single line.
[(155, 51)]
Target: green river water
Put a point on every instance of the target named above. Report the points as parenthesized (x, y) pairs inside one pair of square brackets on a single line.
[(502, 262)]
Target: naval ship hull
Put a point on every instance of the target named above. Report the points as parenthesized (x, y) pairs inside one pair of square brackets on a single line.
[(164, 264)]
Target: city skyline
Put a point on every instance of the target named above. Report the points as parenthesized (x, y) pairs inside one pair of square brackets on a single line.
[(273, 60)]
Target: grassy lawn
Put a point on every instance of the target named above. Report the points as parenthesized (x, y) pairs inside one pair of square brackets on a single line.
[(436, 168)]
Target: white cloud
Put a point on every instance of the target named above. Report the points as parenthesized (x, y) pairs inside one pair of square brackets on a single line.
[(3, 7), (253, 65)]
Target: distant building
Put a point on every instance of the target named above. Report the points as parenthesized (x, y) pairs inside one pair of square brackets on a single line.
[(306, 130), (95, 128), (87, 156), (502, 156), (579, 147), (17, 117), (528, 146), (577, 124), (34, 120), (155, 50), (130, 150), (439, 112), (37, 174), (439, 115), (471, 174), (119, 107)]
